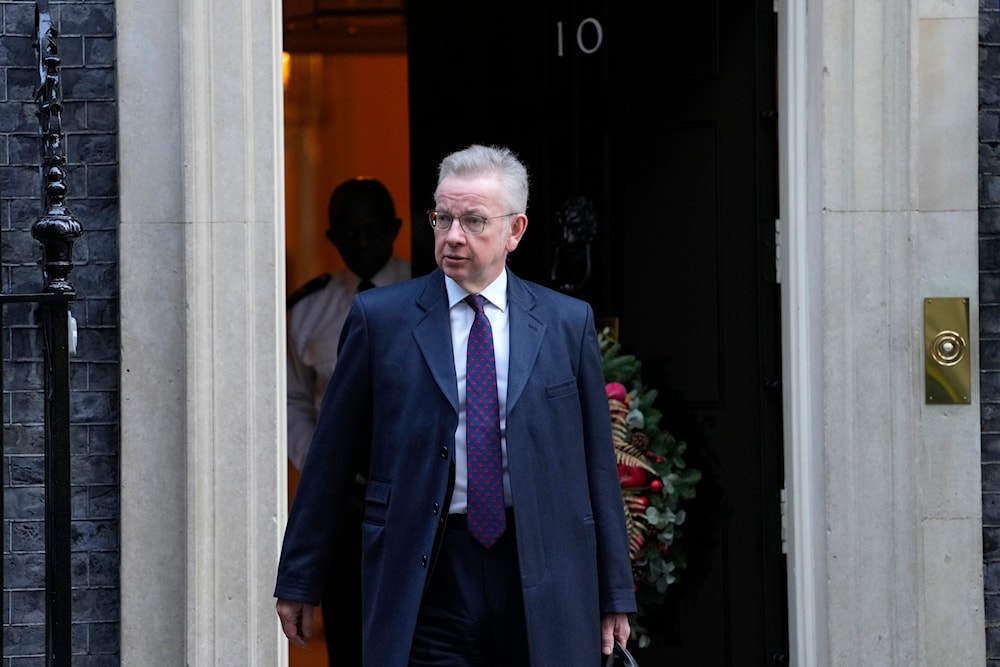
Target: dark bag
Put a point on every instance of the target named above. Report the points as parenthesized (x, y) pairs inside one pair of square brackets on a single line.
[(620, 656)]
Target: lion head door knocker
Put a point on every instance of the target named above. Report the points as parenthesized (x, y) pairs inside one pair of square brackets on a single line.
[(571, 267)]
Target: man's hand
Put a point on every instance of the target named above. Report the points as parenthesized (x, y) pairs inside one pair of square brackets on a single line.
[(613, 626), (296, 620)]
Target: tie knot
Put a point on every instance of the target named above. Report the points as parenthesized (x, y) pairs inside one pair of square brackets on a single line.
[(477, 302)]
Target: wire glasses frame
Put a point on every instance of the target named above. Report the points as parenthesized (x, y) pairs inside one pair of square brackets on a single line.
[(471, 224)]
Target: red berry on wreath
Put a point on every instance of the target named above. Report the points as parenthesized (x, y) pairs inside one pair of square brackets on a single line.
[(616, 391), (631, 476), (656, 486)]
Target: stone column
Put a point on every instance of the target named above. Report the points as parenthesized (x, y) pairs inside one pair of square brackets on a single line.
[(886, 217), (202, 321)]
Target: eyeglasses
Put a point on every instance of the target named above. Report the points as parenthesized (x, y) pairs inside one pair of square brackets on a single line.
[(471, 224)]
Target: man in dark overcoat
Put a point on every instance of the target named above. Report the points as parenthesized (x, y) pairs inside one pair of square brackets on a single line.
[(552, 585)]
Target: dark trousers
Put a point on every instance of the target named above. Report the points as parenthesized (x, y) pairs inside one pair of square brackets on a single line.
[(472, 614), (341, 604)]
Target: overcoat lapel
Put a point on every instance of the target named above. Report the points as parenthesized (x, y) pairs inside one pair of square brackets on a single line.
[(433, 336), (526, 333)]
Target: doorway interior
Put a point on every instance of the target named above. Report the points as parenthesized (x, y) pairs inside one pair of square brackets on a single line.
[(346, 114)]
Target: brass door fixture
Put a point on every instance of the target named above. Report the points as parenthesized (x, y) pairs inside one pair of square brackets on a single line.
[(947, 368)]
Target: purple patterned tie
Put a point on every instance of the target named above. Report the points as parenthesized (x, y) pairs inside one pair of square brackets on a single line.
[(486, 519)]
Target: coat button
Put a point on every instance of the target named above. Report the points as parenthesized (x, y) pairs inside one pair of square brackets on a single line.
[(423, 560), (444, 451), (437, 507)]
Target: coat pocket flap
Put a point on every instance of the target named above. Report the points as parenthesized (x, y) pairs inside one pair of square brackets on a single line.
[(378, 492)]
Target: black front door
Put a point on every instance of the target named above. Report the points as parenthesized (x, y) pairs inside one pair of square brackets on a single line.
[(663, 127)]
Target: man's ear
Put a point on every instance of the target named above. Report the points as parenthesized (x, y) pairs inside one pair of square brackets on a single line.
[(517, 228)]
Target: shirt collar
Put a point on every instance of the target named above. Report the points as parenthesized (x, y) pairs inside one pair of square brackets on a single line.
[(381, 277), (495, 292)]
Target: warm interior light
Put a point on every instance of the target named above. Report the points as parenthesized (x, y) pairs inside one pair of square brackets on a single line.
[(286, 68)]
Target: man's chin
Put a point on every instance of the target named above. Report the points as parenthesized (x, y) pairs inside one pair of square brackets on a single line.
[(456, 270)]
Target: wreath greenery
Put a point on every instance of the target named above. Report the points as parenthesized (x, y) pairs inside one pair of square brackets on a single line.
[(654, 479)]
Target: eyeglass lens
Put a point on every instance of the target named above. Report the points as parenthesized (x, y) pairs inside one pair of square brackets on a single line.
[(471, 224)]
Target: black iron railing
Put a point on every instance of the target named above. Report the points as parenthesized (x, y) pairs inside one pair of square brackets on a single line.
[(56, 229)]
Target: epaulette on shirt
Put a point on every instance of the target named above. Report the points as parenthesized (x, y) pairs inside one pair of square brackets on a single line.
[(314, 285)]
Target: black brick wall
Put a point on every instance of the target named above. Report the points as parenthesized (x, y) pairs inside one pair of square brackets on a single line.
[(989, 312), (86, 47)]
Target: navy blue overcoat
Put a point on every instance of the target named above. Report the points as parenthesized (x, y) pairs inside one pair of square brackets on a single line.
[(394, 389)]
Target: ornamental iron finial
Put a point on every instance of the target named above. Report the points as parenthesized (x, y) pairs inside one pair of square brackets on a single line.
[(57, 228)]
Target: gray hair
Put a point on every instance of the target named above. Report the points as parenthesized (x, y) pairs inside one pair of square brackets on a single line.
[(478, 160)]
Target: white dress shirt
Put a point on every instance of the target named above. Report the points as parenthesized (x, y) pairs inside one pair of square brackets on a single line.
[(462, 316)]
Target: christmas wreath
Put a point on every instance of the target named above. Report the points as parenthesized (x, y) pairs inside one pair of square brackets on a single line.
[(653, 476)]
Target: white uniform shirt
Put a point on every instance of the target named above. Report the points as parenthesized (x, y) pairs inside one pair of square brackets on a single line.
[(314, 324)]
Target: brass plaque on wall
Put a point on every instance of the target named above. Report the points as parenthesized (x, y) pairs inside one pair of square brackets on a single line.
[(947, 367)]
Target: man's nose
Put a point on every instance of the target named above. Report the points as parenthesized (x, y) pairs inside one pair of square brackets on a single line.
[(455, 234)]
